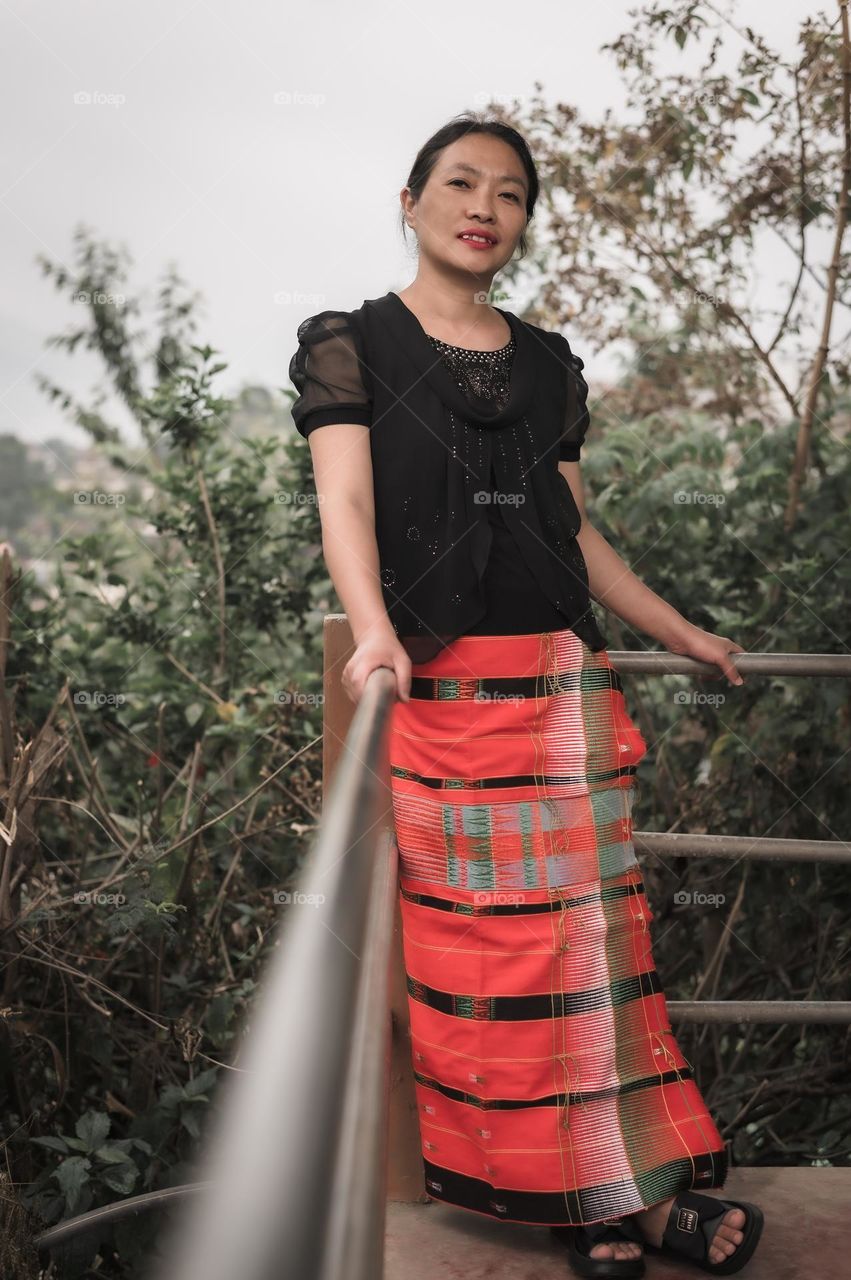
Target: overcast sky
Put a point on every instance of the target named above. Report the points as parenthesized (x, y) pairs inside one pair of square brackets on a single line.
[(271, 209)]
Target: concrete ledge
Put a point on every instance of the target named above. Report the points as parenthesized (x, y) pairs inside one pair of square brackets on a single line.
[(807, 1235)]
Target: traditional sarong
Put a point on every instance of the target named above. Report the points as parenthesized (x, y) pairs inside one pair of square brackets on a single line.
[(550, 1086)]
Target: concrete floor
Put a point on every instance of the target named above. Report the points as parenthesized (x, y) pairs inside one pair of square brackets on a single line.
[(807, 1236)]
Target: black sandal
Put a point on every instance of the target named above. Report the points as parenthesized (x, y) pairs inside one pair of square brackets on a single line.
[(690, 1211), (580, 1240)]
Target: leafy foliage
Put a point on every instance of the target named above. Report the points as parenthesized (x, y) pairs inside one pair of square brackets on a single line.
[(155, 680)]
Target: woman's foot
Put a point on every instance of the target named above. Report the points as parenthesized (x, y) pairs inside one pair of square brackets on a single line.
[(617, 1249), (613, 1250), (725, 1241)]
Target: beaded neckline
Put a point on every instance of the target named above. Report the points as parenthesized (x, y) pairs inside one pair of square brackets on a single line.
[(473, 351), (406, 330), (483, 374)]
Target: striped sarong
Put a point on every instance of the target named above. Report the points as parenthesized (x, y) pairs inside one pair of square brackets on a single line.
[(550, 1086)]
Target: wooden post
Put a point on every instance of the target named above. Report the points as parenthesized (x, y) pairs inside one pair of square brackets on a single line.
[(405, 1174)]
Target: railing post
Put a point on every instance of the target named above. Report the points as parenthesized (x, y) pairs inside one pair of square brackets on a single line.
[(405, 1179)]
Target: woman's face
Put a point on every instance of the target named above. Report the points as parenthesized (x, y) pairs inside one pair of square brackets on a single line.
[(477, 181)]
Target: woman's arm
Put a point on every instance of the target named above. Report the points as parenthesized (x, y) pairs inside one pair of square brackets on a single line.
[(613, 583), (342, 468)]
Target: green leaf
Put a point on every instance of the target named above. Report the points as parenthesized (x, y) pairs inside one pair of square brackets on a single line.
[(52, 1144), (680, 36), (194, 712), (72, 1176), (112, 1154), (121, 1179), (77, 1144), (92, 1128), (190, 1123), (201, 1083)]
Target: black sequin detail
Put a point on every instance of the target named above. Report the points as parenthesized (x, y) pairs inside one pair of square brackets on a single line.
[(486, 374)]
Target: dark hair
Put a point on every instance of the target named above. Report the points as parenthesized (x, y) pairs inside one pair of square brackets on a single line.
[(460, 127)]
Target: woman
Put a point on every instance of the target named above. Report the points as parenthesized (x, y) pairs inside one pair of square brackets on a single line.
[(550, 1086)]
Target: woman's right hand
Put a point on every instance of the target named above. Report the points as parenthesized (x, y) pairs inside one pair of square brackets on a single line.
[(377, 651)]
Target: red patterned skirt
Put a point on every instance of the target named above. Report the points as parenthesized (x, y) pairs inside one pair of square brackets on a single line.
[(550, 1086)]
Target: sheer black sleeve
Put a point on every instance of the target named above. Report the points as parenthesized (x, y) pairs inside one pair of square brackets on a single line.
[(328, 371), (577, 417)]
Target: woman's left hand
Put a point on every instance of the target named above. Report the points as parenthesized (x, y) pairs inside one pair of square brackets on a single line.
[(706, 647)]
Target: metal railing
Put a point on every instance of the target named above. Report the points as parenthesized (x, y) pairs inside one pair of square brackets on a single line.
[(296, 1171), (752, 848), (297, 1165)]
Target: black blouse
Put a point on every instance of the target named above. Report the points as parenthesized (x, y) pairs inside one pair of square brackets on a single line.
[(515, 603), (440, 451)]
